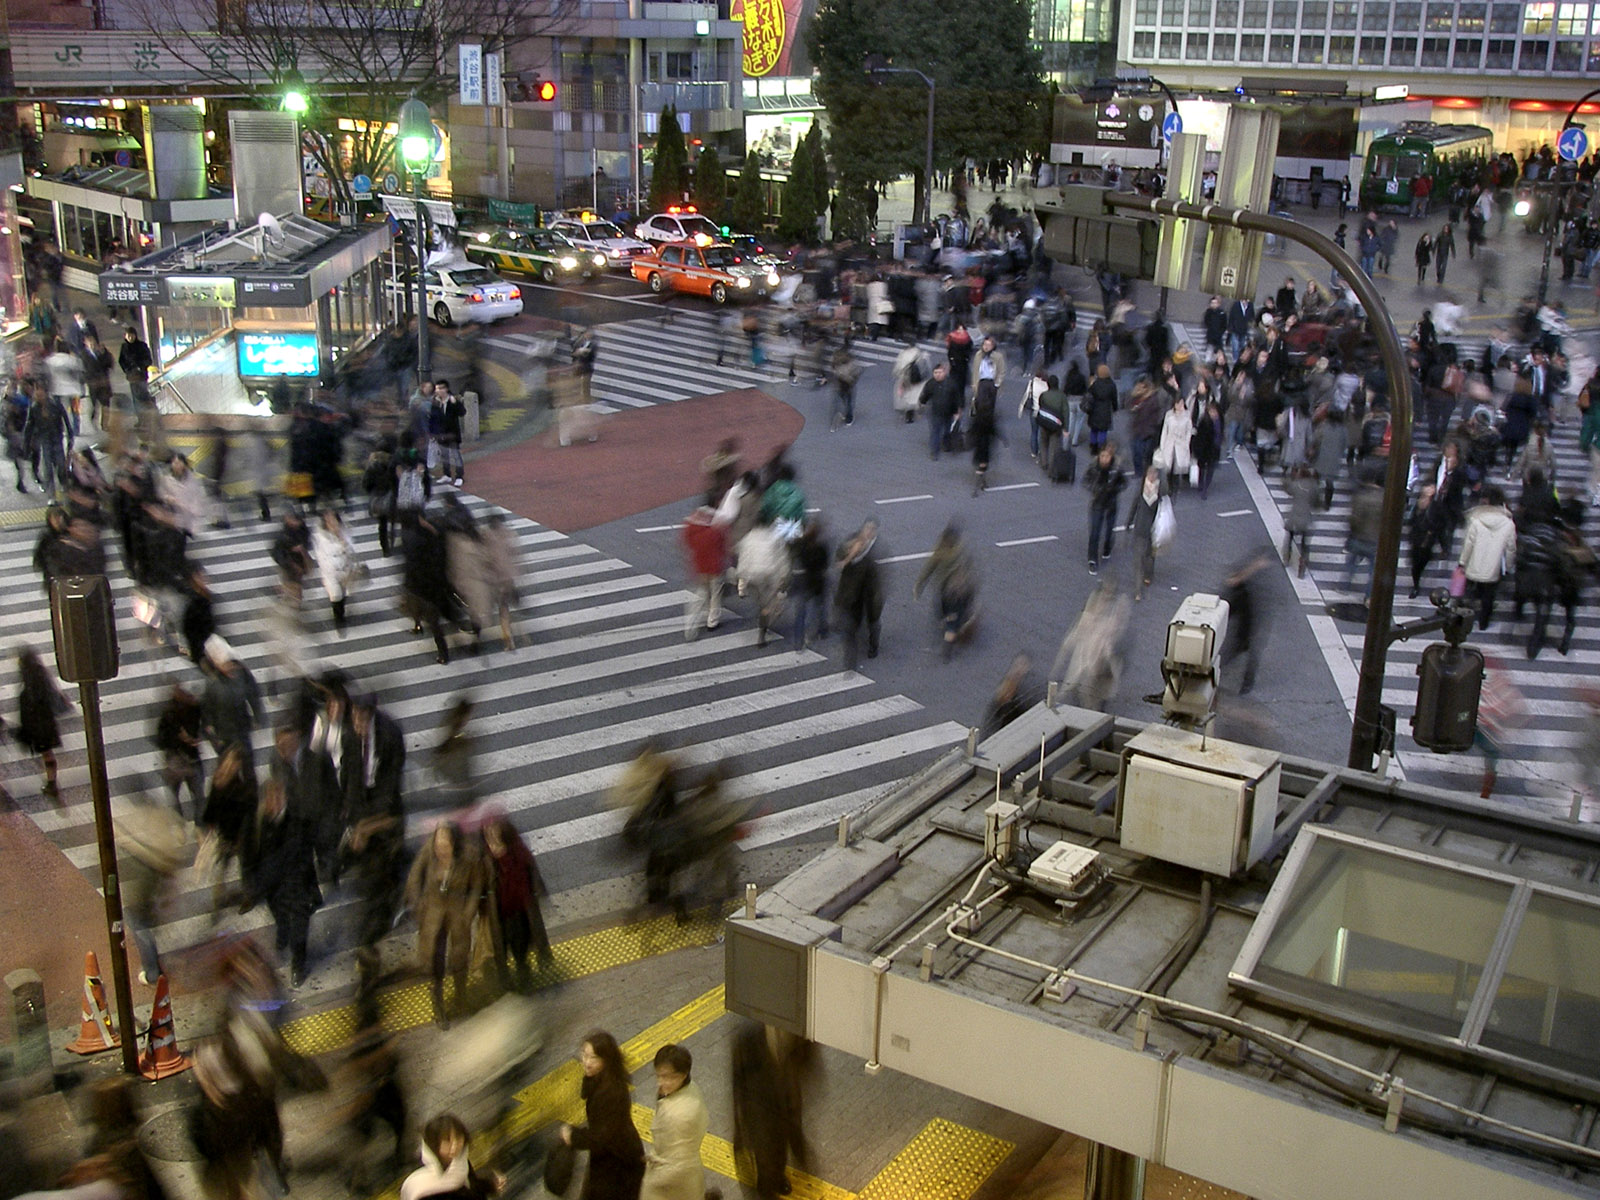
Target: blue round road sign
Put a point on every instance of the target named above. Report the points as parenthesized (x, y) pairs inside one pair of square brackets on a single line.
[(1573, 143), (1171, 127), (361, 185)]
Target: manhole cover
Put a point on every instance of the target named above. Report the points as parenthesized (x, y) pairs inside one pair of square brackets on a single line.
[(166, 1136)]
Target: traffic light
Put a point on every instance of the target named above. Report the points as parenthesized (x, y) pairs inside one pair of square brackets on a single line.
[(416, 134), (296, 99), (537, 90)]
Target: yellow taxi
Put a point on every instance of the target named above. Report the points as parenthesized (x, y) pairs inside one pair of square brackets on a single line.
[(717, 271)]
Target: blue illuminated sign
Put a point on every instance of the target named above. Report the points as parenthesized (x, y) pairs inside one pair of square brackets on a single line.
[(289, 352)]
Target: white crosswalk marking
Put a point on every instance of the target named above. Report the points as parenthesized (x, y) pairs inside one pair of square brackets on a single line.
[(1538, 766), (642, 362), (605, 667)]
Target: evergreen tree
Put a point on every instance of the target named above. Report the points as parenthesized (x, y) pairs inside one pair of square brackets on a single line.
[(985, 67), (670, 163), (819, 165), (798, 221), (710, 184), (749, 203)]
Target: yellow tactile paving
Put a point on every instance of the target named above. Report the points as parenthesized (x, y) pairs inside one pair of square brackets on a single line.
[(717, 1154), (18, 517), (945, 1161), (554, 1096), (409, 1006), (502, 418)]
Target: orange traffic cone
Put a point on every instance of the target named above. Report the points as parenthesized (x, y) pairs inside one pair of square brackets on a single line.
[(161, 1058), (96, 1033)]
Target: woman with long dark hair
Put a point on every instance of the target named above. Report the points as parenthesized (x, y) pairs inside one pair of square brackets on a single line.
[(517, 888), (37, 703), (616, 1155)]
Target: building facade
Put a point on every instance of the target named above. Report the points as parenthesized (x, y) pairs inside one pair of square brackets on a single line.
[(1515, 68), (615, 66)]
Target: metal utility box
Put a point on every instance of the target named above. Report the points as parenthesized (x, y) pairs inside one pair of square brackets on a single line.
[(1198, 802)]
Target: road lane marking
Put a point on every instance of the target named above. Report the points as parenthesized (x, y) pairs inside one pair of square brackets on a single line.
[(1236, 512), (1049, 537), (1011, 487), (903, 499), (894, 558)]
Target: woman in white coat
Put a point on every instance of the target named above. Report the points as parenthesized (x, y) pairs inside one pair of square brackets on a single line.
[(336, 562), (673, 1170), (1177, 427)]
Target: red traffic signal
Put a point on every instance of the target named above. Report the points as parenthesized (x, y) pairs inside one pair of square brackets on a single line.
[(537, 90)]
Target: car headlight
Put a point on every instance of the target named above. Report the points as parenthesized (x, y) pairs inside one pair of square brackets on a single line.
[(568, 263), (599, 260), (743, 281), (1522, 208), (772, 279)]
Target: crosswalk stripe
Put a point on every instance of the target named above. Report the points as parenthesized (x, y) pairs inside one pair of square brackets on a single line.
[(605, 666), (1538, 755)]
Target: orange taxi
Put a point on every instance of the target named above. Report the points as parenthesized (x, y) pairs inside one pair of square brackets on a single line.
[(719, 272)]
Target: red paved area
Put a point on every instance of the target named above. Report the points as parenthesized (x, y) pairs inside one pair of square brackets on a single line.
[(50, 915), (644, 458)]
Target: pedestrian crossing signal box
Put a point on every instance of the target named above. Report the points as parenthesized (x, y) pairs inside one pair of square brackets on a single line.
[(85, 629), (1080, 231), (1448, 689)]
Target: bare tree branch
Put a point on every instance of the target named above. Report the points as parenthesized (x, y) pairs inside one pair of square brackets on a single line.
[(360, 59)]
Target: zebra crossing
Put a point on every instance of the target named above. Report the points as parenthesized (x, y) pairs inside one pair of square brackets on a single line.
[(601, 666), (643, 362), (1538, 767)]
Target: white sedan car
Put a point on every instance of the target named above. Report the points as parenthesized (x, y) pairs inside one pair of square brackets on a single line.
[(602, 237), (678, 225), (464, 292)]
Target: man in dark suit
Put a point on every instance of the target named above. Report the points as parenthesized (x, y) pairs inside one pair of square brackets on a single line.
[(1241, 324), (371, 769)]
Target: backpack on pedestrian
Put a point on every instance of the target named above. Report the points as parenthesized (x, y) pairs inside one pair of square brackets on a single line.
[(409, 494)]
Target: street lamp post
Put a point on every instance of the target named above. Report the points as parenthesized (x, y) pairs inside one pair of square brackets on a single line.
[(416, 148), (1367, 719), (1561, 189), (876, 65)]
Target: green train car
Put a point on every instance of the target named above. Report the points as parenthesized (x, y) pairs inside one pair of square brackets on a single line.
[(1419, 148)]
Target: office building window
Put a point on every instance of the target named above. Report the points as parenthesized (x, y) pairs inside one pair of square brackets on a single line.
[(1281, 50), (1403, 52), (1227, 14), (1342, 50), (1285, 14), (1222, 47), (1469, 18), (1372, 51), (1407, 17), (1314, 15), (1504, 18), (1468, 53), (1375, 16), (1572, 20), (1197, 47), (1435, 52), (1534, 56), (1343, 15), (1144, 12), (1171, 46), (1594, 58), (1439, 17), (1312, 48), (1200, 13), (1569, 57), (1252, 47), (1144, 45), (1172, 12), (1502, 54), (1537, 18), (1255, 14)]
